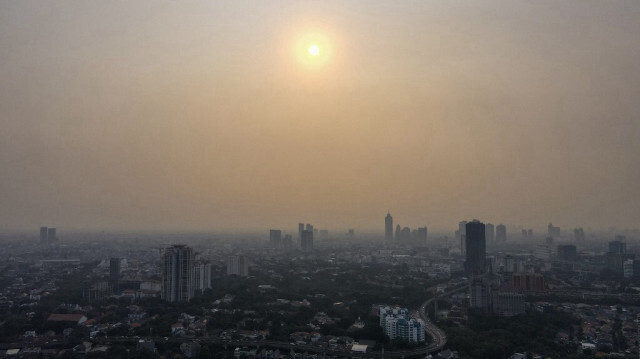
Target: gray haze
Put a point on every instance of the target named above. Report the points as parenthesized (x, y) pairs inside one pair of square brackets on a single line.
[(204, 115)]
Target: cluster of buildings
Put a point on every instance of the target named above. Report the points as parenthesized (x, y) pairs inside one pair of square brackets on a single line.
[(305, 240), (48, 235), (397, 324), (183, 274), (403, 234)]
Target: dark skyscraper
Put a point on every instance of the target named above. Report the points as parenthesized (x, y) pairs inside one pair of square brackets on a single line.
[(114, 268), (388, 228), (114, 274), (475, 244), (501, 233), (177, 271), (422, 235), (306, 241), (300, 229), (398, 233)]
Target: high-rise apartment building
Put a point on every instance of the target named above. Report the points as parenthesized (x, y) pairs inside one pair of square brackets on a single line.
[(177, 273), (202, 276), (238, 265), (475, 244), (396, 323)]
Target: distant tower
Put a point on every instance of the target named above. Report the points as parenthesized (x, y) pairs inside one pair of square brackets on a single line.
[(238, 265), (43, 235), (275, 238), (489, 233), (501, 233), (300, 229), (388, 228), (475, 244), (177, 271), (422, 235), (462, 228), (51, 235), (307, 241)]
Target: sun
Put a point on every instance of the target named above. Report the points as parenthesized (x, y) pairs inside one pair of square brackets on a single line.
[(313, 50)]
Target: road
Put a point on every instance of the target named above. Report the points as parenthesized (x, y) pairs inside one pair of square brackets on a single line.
[(438, 335)]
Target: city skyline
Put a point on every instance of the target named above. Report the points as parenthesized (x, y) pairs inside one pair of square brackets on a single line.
[(247, 115)]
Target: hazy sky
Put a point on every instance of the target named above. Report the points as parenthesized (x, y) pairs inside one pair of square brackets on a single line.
[(207, 115)]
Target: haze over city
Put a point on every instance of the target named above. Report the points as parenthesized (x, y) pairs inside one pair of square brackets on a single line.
[(252, 115)]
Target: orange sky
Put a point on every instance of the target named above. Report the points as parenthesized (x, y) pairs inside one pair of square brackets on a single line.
[(202, 115)]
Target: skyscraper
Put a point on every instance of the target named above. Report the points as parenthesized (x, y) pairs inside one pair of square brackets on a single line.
[(275, 238), (43, 235), (114, 274), (489, 233), (238, 265), (462, 228), (422, 235), (475, 244), (177, 272), (307, 240), (553, 231), (388, 228), (202, 276), (114, 269), (501, 233), (51, 235)]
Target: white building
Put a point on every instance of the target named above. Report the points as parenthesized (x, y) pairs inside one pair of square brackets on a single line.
[(238, 265), (202, 276), (395, 323)]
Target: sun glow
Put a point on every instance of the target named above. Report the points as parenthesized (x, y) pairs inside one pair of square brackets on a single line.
[(313, 50)]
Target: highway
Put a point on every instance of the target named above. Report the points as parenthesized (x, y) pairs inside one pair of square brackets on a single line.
[(437, 335)]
